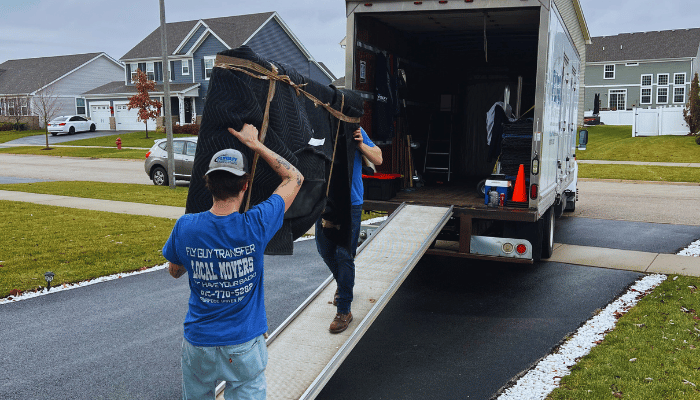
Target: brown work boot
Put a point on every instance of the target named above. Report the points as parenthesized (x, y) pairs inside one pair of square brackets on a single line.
[(340, 322)]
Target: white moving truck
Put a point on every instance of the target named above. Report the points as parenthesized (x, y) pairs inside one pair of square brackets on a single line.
[(442, 65)]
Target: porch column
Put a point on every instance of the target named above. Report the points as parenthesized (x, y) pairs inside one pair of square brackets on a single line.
[(194, 111), (181, 103)]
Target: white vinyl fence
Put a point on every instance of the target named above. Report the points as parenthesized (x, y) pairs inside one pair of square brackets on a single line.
[(648, 122), (659, 121)]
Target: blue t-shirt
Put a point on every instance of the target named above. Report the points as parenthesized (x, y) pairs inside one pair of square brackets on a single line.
[(224, 261), (357, 191)]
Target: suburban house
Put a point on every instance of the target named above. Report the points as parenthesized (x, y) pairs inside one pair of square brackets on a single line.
[(192, 47), (644, 69), (62, 78)]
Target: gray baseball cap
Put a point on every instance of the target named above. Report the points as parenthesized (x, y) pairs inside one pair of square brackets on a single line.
[(229, 160)]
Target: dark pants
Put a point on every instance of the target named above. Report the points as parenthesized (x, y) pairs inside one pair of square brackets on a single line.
[(339, 260)]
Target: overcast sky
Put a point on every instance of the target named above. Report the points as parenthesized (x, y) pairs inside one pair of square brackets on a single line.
[(39, 28)]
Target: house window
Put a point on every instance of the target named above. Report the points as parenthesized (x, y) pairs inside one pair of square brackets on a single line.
[(150, 71), (617, 99), (23, 106), (185, 67), (134, 68), (646, 96), (679, 94), (2, 106), (11, 107), (662, 95), (609, 71), (679, 79), (646, 79), (80, 106), (632, 64), (662, 80), (208, 66)]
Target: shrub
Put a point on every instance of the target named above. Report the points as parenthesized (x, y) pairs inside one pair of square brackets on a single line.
[(188, 129), (697, 139), (6, 126)]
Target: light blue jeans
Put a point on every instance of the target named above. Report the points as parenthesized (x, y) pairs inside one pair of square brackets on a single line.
[(242, 366)]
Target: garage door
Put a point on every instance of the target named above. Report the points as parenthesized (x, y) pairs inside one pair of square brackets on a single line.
[(128, 120), (100, 115)]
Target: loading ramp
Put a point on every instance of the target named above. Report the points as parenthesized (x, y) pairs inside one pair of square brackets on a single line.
[(302, 354)]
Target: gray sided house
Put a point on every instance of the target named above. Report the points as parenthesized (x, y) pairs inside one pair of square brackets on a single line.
[(192, 47), (644, 69), (64, 79)]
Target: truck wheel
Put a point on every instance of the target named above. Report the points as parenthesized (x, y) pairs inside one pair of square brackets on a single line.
[(547, 233), (534, 236)]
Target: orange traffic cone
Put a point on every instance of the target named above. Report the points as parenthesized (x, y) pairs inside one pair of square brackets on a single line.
[(520, 191)]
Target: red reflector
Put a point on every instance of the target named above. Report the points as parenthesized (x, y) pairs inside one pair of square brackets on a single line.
[(442, 2), (521, 248), (148, 154), (468, 1), (417, 3), (368, 4), (533, 191)]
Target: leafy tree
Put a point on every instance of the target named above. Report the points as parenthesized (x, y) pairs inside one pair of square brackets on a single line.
[(691, 112), (148, 108)]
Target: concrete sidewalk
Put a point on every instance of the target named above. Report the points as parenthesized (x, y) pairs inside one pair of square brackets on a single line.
[(121, 207), (579, 255)]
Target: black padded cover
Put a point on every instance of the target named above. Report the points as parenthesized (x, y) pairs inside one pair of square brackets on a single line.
[(235, 98)]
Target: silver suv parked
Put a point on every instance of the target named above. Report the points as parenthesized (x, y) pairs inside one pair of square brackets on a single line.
[(157, 160)]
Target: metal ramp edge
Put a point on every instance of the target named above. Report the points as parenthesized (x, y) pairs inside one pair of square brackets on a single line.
[(303, 355)]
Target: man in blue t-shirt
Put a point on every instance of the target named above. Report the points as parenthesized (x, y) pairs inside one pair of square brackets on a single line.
[(222, 252), (339, 260)]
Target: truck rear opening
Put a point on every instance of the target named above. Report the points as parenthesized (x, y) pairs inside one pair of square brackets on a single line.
[(430, 72)]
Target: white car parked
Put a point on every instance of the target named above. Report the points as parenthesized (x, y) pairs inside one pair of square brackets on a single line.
[(71, 124)]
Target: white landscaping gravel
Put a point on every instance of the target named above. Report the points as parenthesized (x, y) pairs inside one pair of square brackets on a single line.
[(693, 250)]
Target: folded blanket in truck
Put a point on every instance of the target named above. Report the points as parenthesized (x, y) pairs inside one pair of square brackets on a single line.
[(303, 119)]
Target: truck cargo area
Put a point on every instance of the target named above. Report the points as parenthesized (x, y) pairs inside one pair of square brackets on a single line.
[(450, 67)]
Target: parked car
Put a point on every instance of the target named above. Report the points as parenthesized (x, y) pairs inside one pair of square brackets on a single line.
[(157, 160), (71, 124)]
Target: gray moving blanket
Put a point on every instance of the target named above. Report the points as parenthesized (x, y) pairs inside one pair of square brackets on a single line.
[(303, 120)]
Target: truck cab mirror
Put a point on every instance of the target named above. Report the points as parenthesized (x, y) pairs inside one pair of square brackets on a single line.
[(582, 139)]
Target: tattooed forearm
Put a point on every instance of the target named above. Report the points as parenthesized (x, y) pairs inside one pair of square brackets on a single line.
[(284, 163)]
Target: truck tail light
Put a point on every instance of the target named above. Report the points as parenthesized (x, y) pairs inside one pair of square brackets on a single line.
[(62, 124), (521, 248), (148, 154), (533, 191)]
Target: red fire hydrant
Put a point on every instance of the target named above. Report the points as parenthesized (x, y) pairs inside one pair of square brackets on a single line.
[(119, 143)]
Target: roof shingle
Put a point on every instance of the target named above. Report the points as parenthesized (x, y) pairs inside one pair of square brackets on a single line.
[(29, 74), (232, 30), (679, 43)]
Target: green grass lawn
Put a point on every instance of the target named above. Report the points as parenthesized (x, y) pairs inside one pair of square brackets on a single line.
[(147, 194), (6, 136), (653, 353), (88, 152), (639, 173), (74, 244), (616, 143), (129, 139)]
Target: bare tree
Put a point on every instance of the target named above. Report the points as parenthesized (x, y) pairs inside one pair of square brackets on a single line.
[(46, 106)]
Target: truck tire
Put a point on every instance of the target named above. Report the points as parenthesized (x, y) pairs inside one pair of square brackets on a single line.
[(547, 233), (534, 236)]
